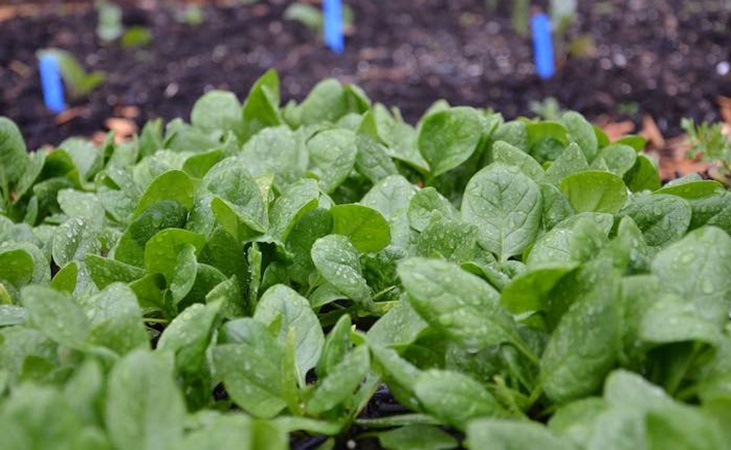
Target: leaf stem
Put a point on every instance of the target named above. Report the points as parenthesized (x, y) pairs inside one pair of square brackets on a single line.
[(153, 320)]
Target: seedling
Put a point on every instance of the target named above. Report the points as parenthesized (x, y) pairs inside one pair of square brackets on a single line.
[(135, 37), (708, 143), (79, 83), (312, 17), (109, 25), (548, 109)]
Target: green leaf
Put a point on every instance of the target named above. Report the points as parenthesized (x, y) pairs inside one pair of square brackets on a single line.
[(277, 151), (595, 191), (397, 373), (692, 190), (189, 335), (619, 158), (556, 206), (116, 319), (514, 133), (85, 156), (252, 374), (72, 240), (584, 346), (144, 407), (337, 344), (448, 138), (261, 108), (546, 140), (529, 290), (447, 238), (662, 218), (576, 239), (456, 303), (16, 267), (643, 176), (366, 228), (391, 197), (105, 271), (326, 102), (417, 437), (340, 383), (238, 200), (502, 152), (505, 205), (638, 143), (280, 304), (337, 261), (36, 417), (570, 161), (491, 434), (131, 246), (683, 428), (295, 202), (312, 226), (455, 398), (671, 319), (423, 205), (216, 111), (13, 155), (372, 159), (698, 269), (638, 293), (199, 164), (83, 205), (57, 316), (171, 185), (332, 157), (12, 315), (581, 132), (163, 249), (231, 432)]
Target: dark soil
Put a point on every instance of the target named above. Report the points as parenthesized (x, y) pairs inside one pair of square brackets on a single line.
[(666, 58)]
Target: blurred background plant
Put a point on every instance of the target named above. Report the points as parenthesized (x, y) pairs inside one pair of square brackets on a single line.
[(78, 81), (110, 27), (311, 17), (548, 108), (563, 15), (709, 144)]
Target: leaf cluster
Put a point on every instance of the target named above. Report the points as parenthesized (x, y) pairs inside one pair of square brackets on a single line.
[(263, 272)]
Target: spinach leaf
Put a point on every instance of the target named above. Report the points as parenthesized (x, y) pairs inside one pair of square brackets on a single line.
[(336, 259), (595, 191), (367, 228), (280, 304), (144, 407), (458, 304), (698, 269), (455, 398), (505, 205), (584, 347), (448, 138)]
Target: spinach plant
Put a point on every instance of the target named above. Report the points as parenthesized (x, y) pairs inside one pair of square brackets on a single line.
[(265, 273)]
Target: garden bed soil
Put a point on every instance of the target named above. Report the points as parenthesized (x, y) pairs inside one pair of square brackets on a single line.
[(660, 59)]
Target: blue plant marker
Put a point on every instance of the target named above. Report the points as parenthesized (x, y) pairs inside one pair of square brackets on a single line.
[(51, 83), (543, 45), (333, 25)]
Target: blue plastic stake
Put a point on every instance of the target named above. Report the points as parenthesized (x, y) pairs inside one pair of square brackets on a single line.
[(543, 45), (333, 25), (51, 83)]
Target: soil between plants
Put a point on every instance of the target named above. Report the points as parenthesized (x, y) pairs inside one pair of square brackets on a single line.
[(665, 58)]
